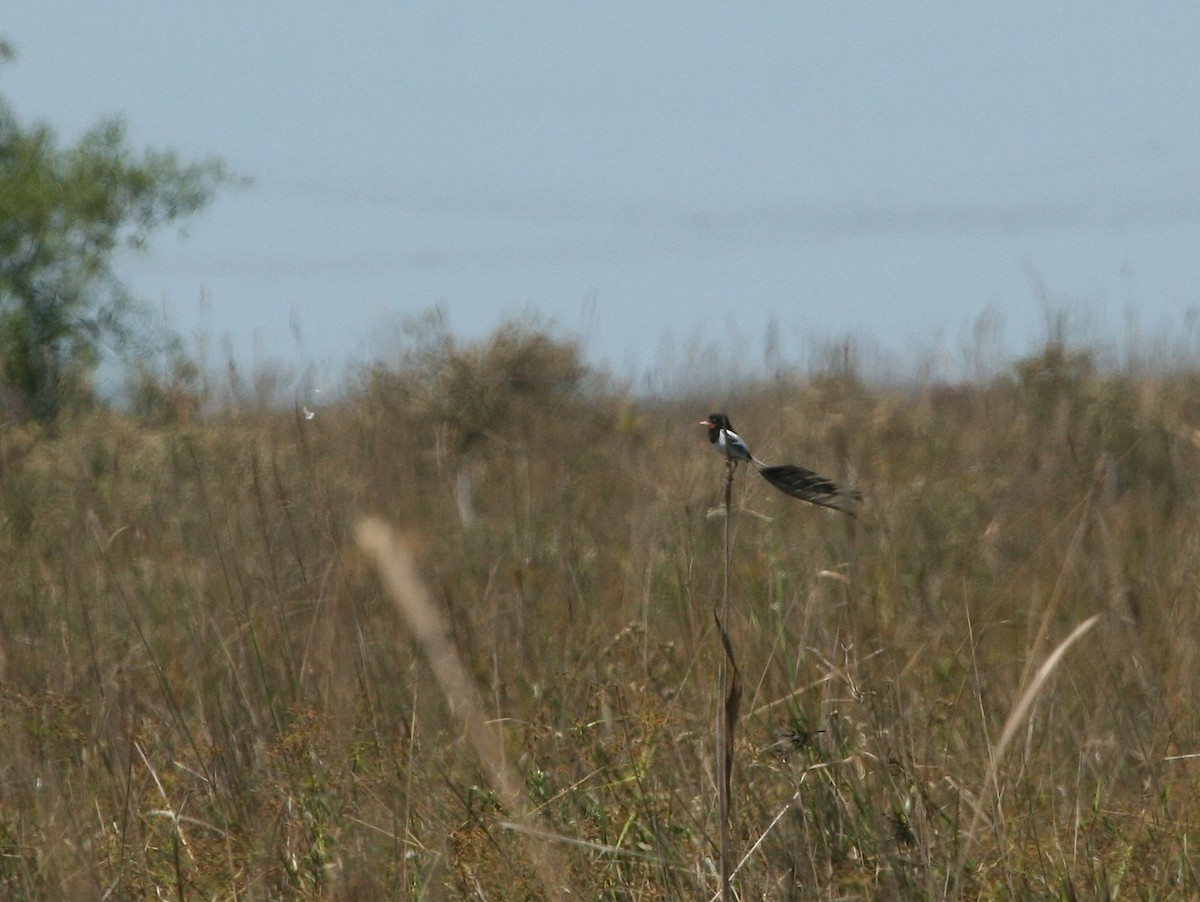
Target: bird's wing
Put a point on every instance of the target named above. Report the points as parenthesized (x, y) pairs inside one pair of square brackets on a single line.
[(812, 487), (737, 446)]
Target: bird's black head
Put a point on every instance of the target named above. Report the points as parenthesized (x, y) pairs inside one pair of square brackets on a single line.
[(715, 423)]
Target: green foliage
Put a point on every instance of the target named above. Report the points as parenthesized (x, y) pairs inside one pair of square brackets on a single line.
[(63, 212)]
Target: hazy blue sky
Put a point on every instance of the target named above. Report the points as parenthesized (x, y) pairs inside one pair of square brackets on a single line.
[(650, 175)]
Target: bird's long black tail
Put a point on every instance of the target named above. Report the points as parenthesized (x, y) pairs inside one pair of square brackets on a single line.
[(812, 487)]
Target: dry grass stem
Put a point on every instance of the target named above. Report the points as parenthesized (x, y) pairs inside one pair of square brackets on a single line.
[(1013, 723), (396, 565)]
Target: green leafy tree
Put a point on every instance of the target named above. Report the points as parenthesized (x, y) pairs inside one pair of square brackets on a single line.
[(63, 213)]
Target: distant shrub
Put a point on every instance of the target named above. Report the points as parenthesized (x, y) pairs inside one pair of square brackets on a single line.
[(494, 387)]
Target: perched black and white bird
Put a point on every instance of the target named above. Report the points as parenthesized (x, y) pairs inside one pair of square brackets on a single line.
[(727, 442), (791, 480)]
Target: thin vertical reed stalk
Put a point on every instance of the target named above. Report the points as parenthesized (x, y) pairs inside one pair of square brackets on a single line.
[(729, 694)]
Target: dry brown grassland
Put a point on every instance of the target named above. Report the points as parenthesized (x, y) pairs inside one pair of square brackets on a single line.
[(206, 690)]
